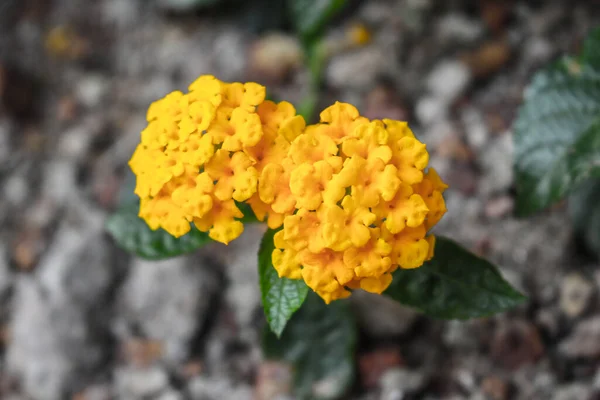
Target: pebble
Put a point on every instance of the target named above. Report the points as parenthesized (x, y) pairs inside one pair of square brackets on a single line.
[(496, 160), (584, 341), (273, 57), (6, 277), (16, 189), (499, 207), (141, 352), (242, 293), (168, 301), (430, 109), (91, 90), (476, 130), (5, 141), (396, 383), (538, 50), (573, 391), (230, 48), (138, 383), (448, 80), (59, 180), (274, 380), (488, 59), (494, 388), (218, 388), (459, 28), (575, 294), (358, 70), (374, 364)]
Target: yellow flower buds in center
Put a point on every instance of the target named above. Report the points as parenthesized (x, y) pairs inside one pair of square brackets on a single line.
[(363, 207), (203, 151)]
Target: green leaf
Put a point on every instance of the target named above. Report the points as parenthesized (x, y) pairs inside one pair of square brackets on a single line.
[(309, 17), (319, 341), (584, 209), (249, 216), (455, 284), (591, 49), (557, 134), (133, 234), (561, 107), (281, 297)]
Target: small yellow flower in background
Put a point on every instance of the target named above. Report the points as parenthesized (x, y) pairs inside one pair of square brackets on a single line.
[(352, 198), (204, 150), (358, 34), (363, 203)]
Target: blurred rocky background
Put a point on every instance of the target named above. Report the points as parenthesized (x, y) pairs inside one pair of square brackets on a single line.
[(80, 319)]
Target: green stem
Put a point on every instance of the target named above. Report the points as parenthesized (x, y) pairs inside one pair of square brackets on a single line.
[(316, 63)]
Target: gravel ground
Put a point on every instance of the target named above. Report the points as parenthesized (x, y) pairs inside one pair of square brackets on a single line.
[(80, 319)]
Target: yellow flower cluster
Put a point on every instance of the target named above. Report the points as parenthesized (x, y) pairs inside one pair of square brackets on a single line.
[(351, 196), (363, 204), (203, 151)]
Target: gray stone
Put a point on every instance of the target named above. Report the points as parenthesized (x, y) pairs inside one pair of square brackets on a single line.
[(6, 277), (229, 54), (5, 145), (215, 388), (584, 341), (459, 27), (134, 383), (16, 189), (359, 69), (91, 90), (448, 80), (169, 301), (574, 391), (396, 383), (75, 143), (243, 292), (430, 109), (59, 180), (59, 326), (122, 13), (475, 128), (497, 160), (535, 382), (538, 50)]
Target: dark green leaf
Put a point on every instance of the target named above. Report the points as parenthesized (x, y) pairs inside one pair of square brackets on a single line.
[(591, 49), (133, 234), (561, 106), (310, 16), (127, 191), (249, 216), (281, 297), (455, 284), (319, 341), (260, 16), (584, 208)]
